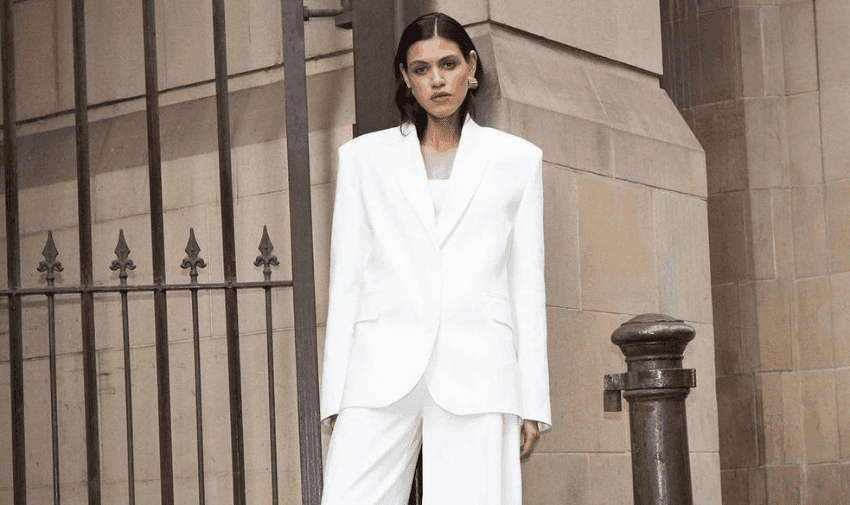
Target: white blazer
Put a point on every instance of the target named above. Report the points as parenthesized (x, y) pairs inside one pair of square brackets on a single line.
[(465, 290)]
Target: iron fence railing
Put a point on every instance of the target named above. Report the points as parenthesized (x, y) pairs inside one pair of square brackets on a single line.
[(302, 269), (50, 265)]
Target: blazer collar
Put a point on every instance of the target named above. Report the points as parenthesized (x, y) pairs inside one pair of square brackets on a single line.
[(467, 171)]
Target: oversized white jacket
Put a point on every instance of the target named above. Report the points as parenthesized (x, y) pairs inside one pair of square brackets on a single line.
[(465, 290)]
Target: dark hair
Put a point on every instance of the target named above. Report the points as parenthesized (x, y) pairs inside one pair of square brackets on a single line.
[(424, 28)]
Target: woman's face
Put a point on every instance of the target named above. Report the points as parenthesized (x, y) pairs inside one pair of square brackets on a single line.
[(437, 74)]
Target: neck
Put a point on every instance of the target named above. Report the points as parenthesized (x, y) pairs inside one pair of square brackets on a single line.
[(442, 134)]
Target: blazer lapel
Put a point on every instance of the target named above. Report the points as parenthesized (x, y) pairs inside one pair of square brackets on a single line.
[(467, 171), (413, 179)]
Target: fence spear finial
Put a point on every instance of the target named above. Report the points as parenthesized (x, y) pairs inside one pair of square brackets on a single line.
[(123, 263), (266, 258), (193, 262), (49, 265)]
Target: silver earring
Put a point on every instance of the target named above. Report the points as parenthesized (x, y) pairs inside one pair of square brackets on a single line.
[(473, 82)]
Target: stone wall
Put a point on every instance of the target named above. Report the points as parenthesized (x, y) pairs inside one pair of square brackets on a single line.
[(766, 87), (625, 216)]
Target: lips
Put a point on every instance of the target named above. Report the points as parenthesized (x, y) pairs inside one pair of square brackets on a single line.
[(437, 96)]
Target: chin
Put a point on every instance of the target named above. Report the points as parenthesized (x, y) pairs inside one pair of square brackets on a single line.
[(443, 113)]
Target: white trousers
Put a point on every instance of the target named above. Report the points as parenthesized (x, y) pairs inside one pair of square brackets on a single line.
[(466, 460)]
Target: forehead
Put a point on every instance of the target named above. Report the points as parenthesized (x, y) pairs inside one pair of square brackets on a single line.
[(432, 49)]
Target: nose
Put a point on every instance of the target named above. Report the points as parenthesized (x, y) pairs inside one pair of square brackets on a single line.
[(438, 79)]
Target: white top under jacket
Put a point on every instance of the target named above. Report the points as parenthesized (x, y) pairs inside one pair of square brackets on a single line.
[(400, 277), (438, 188)]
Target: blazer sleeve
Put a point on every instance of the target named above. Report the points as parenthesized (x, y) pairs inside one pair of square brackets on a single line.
[(528, 292), (349, 249)]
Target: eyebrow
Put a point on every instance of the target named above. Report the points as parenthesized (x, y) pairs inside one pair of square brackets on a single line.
[(441, 60)]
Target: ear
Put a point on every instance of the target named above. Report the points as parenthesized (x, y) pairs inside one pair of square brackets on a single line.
[(404, 75), (473, 61)]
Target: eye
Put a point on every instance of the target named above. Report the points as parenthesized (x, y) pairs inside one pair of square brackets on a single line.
[(450, 65), (420, 70)]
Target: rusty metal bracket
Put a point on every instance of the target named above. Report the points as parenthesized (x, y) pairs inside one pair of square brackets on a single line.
[(645, 379)]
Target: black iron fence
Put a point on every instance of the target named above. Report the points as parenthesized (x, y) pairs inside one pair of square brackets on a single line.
[(302, 282)]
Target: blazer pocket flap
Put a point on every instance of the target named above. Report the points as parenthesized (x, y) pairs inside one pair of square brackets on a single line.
[(499, 310), (369, 307)]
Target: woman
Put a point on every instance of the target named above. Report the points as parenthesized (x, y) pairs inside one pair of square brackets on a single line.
[(436, 331)]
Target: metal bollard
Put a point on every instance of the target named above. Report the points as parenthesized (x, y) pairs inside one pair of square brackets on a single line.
[(655, 387)]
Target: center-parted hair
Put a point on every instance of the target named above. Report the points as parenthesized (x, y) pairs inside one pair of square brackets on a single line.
[(424, 28)]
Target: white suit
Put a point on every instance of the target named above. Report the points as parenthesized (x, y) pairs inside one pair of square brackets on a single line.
[(400, 278)]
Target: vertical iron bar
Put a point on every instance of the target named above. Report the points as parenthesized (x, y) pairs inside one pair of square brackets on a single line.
[(49, 266), (228, 241), (301, 236), (13, 255), (128, 398), (199, 421), (193, 262), (54, 414), (86, 270), (166, 465), (272, 409)]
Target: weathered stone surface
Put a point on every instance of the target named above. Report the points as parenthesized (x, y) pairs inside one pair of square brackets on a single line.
[(758, 214), (794, 434), (763, 143), (563, 273), (623, 32), (682, 255), (804, 139), (737, 421), (580, 354), (783, 485), (770, 417), (617, 265), (734, 486), (722, 130), (115, 65), (799, 47), (701, 403), (760, 38), (554, 478), (823, 484), (611, 480), (810, 247), (35, 59), (820, 417), (727, 239), (833, 23), (835, 125), (566, 140), (813, 335), (705, 479), (838, 224), (659, 164), (840, 285), (719, 45), (727, 333), (842, 383)]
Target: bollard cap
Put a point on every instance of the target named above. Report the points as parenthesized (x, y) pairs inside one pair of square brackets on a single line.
[(651, 334)]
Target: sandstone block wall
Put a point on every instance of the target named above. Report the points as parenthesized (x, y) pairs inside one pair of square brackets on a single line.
[(764, 86)]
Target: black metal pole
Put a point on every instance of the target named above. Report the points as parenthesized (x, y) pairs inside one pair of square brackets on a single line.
[(122, 264), (228, 242), (655, 387), (267, 259), (163, 380), (301, 237), (13, 255), (193, 262), (86, 268)]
